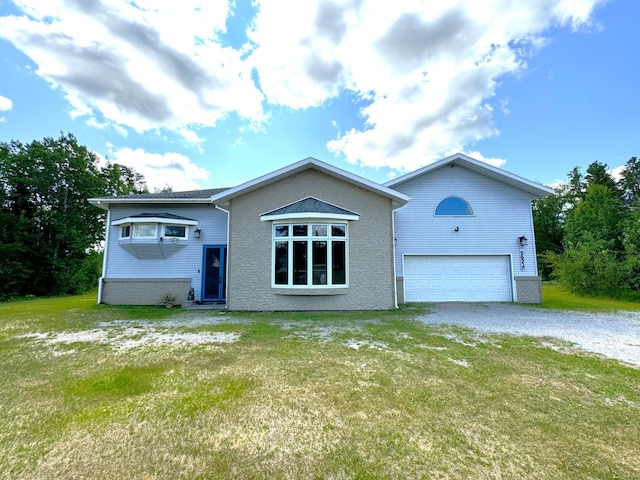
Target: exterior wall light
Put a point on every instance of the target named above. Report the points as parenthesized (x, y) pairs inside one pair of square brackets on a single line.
[(523, 240), (196, 233)]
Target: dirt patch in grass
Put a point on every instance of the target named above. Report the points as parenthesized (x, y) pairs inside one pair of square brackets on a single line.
[(127, 338), (339, 397)]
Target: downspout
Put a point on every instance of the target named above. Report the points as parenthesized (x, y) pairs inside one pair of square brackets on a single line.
[(104, 257), (226, 270), (393, 241), (533, 240)]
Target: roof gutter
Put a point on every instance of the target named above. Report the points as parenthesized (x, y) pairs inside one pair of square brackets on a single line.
[(104, 203)]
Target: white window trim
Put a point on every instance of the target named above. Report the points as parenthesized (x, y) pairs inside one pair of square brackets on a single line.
[(309, 238), (135, 230), (186, 231), (169, 221), (472, 214), (160, 224), (122, 227), (320, 217)]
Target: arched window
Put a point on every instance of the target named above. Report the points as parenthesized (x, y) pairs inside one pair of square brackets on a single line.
[(453, 206)]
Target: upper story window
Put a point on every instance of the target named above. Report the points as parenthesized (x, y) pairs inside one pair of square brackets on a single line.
[(310, 255), (176, 231), (149, 225), (153, 235), (453, 206), (145, 230)]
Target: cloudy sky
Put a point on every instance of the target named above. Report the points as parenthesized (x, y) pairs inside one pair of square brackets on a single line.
[(201, 93)]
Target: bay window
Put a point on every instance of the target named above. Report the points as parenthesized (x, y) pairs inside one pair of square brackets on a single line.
[(310, 255)]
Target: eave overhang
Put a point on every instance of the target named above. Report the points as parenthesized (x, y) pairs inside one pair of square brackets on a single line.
[(536, 190), (224, 198)]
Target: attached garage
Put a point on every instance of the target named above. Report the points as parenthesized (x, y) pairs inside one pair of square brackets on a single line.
[(458, 278)]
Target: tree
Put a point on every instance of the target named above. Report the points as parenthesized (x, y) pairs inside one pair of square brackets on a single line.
[(598, 216), (629, 184), (574, 189), (597, 174), (122, 180), (592, 262), (48, 229), (548, 221), (631, 242)]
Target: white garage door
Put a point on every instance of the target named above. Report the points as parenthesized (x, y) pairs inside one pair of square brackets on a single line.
[(457, 278)]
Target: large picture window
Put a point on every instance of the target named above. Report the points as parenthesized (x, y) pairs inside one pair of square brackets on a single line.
[(310, 255)]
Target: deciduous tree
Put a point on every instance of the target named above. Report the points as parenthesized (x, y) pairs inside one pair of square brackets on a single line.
[(47, 226)]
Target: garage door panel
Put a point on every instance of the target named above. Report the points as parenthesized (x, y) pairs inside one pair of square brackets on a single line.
[(440, 278)]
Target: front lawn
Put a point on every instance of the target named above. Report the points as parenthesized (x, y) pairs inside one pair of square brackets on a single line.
[(555, 296), (142, 392)]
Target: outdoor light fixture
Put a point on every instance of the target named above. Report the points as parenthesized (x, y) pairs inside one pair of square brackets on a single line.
[(196, 233), (523, 240)]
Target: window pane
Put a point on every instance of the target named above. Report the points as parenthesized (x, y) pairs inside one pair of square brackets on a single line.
[(281, 231), (300, 230), (338, 263), (299, 262), (319, 253), (339, 230), (175, 231), (146, 230), (125, 232), (282, 263), (319, 230), (453, 206)]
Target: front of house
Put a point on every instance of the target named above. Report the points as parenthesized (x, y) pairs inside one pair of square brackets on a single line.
[(313, 237)]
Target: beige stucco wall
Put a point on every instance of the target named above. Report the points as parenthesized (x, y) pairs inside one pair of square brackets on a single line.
[(143, 291), (371, 278), (529, 289), (400, 289)]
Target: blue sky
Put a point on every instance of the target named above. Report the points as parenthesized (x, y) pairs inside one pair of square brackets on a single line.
[(198, 94)]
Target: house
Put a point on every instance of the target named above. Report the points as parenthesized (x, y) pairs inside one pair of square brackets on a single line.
[(311, 236)]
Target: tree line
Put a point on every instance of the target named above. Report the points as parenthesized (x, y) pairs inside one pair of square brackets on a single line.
[(588, 232), (50, 236)]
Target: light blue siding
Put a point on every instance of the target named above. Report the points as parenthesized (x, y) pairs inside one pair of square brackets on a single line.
[(501, 214), (184, 263)]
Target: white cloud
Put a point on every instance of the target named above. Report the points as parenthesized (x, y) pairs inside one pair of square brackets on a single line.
[(429, 70), (5, 104), (141, 65), (160, 170)]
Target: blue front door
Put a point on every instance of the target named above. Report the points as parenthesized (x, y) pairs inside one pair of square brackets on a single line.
[(214, 273)]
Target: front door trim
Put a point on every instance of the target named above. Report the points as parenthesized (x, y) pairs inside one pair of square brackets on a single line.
[(214, 277)]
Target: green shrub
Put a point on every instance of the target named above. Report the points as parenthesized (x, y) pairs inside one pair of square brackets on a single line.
[(592, 268)]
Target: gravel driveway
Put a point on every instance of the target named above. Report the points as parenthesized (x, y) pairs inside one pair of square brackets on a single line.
[(614, 335)]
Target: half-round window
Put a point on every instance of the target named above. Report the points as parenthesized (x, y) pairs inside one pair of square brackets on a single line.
[(453, 206)]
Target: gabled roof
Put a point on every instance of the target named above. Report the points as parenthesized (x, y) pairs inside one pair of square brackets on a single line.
[(190, 196), (223, 198), (533, 188), (312, 208)]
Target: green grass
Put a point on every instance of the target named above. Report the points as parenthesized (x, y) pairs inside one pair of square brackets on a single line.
[(293, 397), (554, 296)]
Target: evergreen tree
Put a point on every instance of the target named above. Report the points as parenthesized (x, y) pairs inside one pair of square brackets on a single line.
[(629, 184)]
